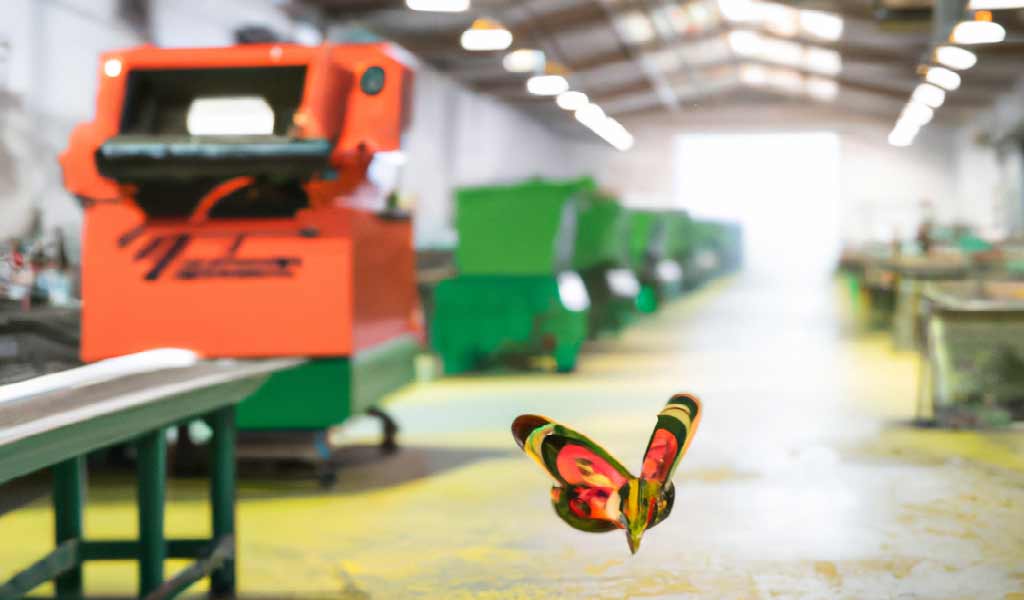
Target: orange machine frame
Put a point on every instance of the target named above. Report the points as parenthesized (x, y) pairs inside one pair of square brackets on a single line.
[(329, 280)]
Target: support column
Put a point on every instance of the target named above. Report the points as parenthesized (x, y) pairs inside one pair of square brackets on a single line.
[(152, 478), (68, 500), (222, 495)]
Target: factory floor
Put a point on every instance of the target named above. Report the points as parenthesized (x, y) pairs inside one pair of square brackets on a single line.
[(802, 481)]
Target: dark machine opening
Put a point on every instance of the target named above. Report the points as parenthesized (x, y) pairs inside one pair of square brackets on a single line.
[(174, 161), (157, 101)]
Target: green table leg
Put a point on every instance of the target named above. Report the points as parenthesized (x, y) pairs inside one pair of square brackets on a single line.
[(68, 499), (152, 475), (222, 495)]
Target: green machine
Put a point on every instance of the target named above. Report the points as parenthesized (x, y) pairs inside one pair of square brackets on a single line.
[(679, 247), (517, 293), (602, 258), (655, 237), (717, 249)]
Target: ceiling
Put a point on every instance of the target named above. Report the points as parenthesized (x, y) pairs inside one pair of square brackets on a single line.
[(691, 64)]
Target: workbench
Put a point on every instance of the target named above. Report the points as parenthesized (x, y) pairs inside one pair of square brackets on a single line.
[(912, 273), (55, 420), (973, 362)]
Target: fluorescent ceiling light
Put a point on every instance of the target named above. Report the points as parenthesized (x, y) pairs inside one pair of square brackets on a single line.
[(740, 10), (823, 25), (635, 27), (572, 100), (902, 135), (590, 115), (819, 88), (486, 36), (916, 113), (955, 58), (701, 17), (782, 51), (823, 60), (614, 133), (929, 95), (754, 45), (745, 43), (230, 115), (750, 44), (995, 4), (524, 60), (943, 77), (978, 32), (753, 75), (787, 80), (779, 18), (438, 5), (547, 85), (782, 19)]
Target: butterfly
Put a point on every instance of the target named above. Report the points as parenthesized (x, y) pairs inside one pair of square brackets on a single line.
[(593, 491)]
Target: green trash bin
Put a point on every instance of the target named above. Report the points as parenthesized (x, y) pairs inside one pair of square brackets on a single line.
[(602, 258), (516, 293)]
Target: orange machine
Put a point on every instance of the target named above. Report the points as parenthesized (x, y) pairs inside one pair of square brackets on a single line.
[(219, 186)]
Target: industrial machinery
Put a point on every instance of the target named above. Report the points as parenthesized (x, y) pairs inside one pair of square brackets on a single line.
[(973, 353), (602, 258), (516, 294), (231, 207), (717, 249), (652, 236)]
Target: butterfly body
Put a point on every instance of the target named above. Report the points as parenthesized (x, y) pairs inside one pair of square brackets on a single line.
[(593, 491)]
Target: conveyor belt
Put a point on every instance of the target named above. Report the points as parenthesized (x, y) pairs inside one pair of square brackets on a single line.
[(41, 428)]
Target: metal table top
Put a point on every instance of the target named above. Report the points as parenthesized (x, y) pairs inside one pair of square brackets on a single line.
[(54, 417)]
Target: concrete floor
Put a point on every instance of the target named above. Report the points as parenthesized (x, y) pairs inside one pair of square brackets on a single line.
[(799, 484)]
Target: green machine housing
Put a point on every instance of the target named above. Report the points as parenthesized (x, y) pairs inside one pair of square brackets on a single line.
[(332, 389), (602, 259), (717, 249), (658, 242), (516, 293)]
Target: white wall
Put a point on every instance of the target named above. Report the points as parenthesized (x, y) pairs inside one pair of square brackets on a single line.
[(50, 86), (887, 191), (990, 168), (461, 138)]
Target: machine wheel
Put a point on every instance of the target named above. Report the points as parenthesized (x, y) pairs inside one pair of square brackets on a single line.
[(390, 429), (326, 476), (565, 360)]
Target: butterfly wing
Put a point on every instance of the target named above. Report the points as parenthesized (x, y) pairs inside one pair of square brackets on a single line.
[(577, 511), (588, 495), (677, 423)]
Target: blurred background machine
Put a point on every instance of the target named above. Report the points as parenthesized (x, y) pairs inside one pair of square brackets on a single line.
[(602, 258), (228, 210), (654, 236), (517, 292)]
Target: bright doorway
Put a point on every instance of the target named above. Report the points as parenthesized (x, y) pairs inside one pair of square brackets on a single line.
[(782, 188)]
